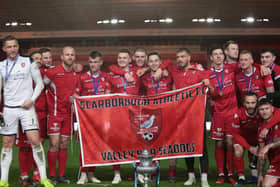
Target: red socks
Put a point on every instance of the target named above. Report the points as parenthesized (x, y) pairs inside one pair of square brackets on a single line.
[(117, 167), (91, 169), (230, 161), (52, 158), (172, 171), (62, 160), (239, 165), (84, 169), (220, 158), (25, 159)]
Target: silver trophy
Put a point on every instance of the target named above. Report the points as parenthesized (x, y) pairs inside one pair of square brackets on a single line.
[(147, 167)]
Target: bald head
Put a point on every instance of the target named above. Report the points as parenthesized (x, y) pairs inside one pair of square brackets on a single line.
[(67, 49), (68, 55)]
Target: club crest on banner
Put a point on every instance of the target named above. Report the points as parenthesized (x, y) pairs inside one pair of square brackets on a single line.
[(146, 124)]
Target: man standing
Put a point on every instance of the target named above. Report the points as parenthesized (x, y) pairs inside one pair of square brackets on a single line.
[(154, 87), (18, 74), (62, 81), (119, 84), (250, 78), (25, 157), (224, 103), (245, 129), (184, 74), (269, 145), (93, 82)]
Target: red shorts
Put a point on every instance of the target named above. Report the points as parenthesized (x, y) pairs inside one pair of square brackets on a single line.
[(273, 170), (21, 138), (60, 125), (221, 125)]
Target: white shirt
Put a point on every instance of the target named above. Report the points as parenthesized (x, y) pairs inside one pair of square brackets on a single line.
[(18, 81)]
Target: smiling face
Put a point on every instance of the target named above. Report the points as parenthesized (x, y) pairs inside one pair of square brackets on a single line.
[(123, 60), (47, 58), (154, 62), (140, 58)]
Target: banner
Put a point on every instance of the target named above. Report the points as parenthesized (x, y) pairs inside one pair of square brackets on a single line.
[(115, 128)]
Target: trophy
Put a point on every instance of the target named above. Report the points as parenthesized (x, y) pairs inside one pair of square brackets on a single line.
[(146, 167)]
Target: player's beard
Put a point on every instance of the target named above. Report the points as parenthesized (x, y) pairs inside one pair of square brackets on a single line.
[(251, 111), (233, 58), (95, 71), (183, 67)]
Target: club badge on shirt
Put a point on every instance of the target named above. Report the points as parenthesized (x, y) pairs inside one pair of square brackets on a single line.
[(22, 64)]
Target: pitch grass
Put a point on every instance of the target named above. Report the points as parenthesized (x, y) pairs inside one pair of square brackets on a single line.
[(106, 173)]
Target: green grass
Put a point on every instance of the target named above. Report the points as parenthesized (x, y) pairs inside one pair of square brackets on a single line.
[(106, 173)]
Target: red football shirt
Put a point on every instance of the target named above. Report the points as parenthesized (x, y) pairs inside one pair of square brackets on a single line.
[(120, 85), (183, 78), (276, 69), (62, 86), (87, 87), (154, 87), (41, 102), (224, 100), (253, 82), (246, 126), (274, 133)]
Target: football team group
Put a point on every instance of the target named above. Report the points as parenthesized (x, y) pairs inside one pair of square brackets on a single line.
[(243, 100)]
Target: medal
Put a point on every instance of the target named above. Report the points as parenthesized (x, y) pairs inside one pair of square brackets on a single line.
[(220, 83), (155, 86), (8, 73), (124, 82), (248, 84), (95, 86), (272, 67)]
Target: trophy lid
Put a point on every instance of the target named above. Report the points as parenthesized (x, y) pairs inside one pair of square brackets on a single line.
[(145, 155)]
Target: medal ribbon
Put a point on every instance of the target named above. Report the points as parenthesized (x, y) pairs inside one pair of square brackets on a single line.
[(95, 86), (248, 86), (273, 66), (220, 83), (155, 86), (8, 73), (124, 82)]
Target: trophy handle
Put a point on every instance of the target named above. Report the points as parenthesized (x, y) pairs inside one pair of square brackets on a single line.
[(158, 174)]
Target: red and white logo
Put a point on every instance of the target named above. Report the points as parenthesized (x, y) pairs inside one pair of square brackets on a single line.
[(146, 124), (22, 64)]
